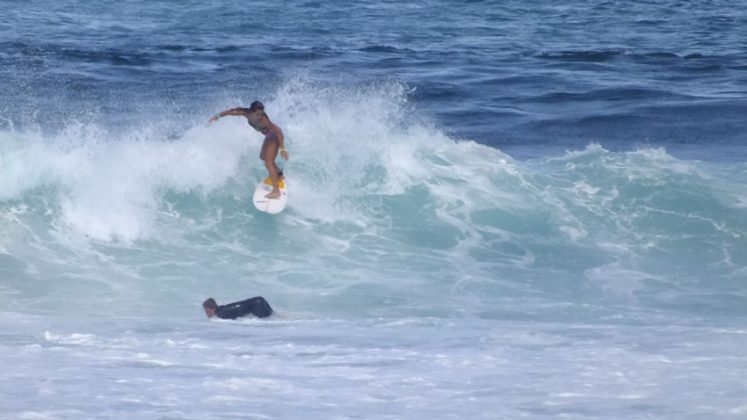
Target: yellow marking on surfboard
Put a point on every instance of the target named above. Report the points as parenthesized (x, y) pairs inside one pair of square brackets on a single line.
[(281, 183)]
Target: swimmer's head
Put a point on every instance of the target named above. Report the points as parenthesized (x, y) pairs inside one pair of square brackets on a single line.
[(210, 306)]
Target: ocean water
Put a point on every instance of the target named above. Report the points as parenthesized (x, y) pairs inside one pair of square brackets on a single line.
[(497, 210)]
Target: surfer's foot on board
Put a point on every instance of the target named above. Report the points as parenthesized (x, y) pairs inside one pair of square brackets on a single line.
[(274, 194)]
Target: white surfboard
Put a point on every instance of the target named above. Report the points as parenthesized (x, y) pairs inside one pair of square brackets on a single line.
[(270, 205)]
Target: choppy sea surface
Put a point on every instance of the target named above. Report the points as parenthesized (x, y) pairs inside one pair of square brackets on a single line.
[(497, 210)]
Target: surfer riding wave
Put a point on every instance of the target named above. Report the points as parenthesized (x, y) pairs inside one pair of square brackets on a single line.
[(272, 144)]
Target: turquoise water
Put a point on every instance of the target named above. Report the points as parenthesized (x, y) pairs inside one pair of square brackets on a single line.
[(495, 211)]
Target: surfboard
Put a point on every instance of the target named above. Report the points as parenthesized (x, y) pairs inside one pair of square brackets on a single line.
[(270, 205)]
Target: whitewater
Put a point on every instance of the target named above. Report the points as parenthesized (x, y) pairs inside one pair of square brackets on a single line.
[(484, 221)]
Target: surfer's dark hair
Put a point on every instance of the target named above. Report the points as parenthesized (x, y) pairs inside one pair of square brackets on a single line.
[(210, 304), (256, 105)]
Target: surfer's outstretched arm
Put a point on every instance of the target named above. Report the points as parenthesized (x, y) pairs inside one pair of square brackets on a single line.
[(233, 111)]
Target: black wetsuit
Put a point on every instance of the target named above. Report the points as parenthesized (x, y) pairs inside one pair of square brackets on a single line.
[(256, 306)]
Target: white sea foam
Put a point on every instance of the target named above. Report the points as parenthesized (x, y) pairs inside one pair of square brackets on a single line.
[(423, 367)]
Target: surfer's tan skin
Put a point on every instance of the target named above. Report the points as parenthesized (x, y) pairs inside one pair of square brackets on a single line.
[(273, 142)]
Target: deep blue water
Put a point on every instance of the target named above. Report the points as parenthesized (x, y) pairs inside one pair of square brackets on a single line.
[(515, 209), (514, 74)]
